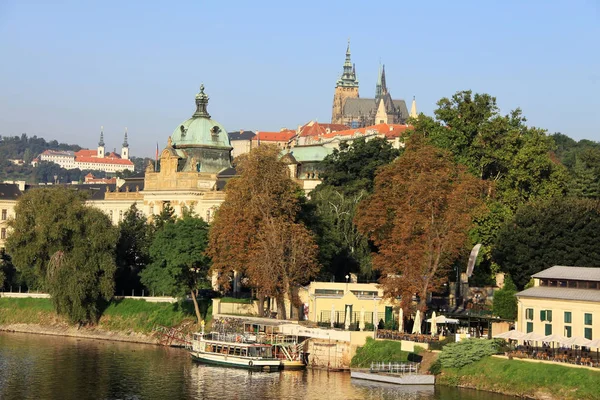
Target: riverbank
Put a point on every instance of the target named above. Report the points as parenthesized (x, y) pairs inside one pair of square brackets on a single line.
[(524, 379), (124, 320)]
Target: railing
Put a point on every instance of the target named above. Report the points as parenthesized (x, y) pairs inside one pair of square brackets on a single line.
[(395, 368)]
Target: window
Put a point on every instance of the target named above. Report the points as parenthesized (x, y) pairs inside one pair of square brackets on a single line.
[(529, 313), (587, 333), (3, 233), (568, 331), (548, 329), (529, 327), (4, 214), (587, 318), (568, 317), (546, 315)]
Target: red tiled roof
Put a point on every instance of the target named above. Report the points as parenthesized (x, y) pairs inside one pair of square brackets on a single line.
[(282, 136), (86, 153), (105, 160), (314, 128), (388, 130)]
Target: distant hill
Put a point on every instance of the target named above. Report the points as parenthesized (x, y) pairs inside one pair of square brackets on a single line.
[(27, 148)]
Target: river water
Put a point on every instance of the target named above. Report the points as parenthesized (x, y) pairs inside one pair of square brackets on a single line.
[(50, 367)]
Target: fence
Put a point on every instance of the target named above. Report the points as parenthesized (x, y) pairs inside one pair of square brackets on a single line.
[(17, 293), (339, 320), (395, 368)]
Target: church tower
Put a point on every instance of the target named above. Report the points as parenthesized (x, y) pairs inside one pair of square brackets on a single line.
[(100, 153), (346, 87), (125, 148)]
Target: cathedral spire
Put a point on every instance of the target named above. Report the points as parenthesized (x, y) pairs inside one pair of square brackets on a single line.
[(125, 144), (101, 142), (383, 85), (348, 78), (413, 108)]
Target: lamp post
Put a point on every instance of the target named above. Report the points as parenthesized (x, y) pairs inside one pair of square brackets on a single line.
[(347, 277)]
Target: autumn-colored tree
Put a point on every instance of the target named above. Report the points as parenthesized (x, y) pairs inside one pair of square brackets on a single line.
[(418, 217), (256, 232)]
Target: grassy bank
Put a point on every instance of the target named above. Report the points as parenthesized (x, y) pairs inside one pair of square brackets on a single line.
[(127, 315), (520, 378), (379, 351)]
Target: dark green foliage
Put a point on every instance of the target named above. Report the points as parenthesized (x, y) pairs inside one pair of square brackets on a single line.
[(135, 235), (562, 231), (354, 165), (505, 301), (167, 214), (465, 352), (60, 245), (436, 367), (178, 260)]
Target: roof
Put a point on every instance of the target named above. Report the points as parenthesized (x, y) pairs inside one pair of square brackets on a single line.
[(545, 292), (105, 160), (9, 191), (388, 130), (363, 106), (281, 136), (227, 173), (96, 191), (310, 153), (66, 153), (571, 273), (313, 128), (240, 135)]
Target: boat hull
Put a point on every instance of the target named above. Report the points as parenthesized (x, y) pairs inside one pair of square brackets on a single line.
[(237, 362)]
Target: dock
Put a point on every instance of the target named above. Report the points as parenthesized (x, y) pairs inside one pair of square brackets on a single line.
[(395, 373)]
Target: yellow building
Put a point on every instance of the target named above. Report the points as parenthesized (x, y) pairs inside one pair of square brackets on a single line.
[(322, 300), (563, 301), (9, 194)]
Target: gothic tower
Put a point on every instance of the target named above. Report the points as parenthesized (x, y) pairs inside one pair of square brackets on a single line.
[(125, 148), (346, 87), (100, 153)]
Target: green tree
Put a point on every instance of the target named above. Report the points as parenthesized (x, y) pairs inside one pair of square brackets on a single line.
[(61, 245), (179, 263), (560, 231), (132, 253), (505, 301), (167, 214)]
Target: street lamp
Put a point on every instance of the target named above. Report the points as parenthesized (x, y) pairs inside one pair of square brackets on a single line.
[(347, 277)]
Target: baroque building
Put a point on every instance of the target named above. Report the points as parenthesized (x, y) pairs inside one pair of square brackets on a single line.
[(356, 112)]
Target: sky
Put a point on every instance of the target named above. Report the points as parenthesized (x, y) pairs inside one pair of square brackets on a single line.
[(69, 67)]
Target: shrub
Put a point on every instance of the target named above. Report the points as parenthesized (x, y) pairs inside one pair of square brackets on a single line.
[(465, 352), (505, 301), (435, 368)]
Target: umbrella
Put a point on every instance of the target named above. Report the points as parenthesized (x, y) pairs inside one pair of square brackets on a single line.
[(510, 335), (332, 314), (401, 320), (417, 325), (555, 339), (362, 319), (441, 319), (433, 324), (595, 343), (347, 322), (532, 336), (578, 341)]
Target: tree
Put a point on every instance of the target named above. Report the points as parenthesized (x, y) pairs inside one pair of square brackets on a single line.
[(132, 253), (167, 214), (179, 263), (505, 301), (418, 218), (560, 231), (254, 226), (354, 165), (60, 245)]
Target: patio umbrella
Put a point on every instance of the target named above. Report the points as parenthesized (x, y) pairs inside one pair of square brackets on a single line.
[(417, 325), (441, 319), (401, 320), (510, 335), (332, 314), (555, 339), (362, 319), (532, 336), (578, 341), (433, 324), (347, 321)]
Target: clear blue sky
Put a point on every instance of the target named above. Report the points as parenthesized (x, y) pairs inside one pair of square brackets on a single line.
[(70, 67)]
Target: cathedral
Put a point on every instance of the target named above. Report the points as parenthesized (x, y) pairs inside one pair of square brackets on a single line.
[(356, 112)]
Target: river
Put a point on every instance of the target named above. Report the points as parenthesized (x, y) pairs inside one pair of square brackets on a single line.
[(50, 367)]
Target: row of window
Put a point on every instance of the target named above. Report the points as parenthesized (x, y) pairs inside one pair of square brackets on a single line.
[(546, 315), (587, 332), (567, 283)]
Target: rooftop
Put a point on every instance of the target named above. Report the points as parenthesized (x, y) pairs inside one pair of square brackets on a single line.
[(560, 293), (569, 273)]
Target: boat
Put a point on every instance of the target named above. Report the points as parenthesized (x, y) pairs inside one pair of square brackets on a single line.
[(233, 350)]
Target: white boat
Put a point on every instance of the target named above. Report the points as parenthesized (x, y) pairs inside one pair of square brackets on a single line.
[(234, 351)]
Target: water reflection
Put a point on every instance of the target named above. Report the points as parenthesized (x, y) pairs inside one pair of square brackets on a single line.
[(46, 367)]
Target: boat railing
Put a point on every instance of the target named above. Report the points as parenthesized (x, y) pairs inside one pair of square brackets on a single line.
[(395, 368), (230, 337)]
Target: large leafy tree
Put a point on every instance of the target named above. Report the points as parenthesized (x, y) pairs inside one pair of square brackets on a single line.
[(179, 263), (560, 231), (61, 245), (505, 301), (348, 176), (256, 230), (418, 217), (135, 235)]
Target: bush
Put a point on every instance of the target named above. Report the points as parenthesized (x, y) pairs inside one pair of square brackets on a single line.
[(465, 352), (505, 301), (378, 351), (435, 368)]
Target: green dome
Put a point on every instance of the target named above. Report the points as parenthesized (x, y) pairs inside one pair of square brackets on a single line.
[(200, 130)]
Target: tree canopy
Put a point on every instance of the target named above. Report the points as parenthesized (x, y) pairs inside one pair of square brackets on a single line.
[(256, 230), (132, 253), (61, 245), (418, 218), (179, 263), (559, 231)]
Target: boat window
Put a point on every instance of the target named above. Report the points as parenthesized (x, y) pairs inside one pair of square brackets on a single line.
[(231, 350), (237, 351)]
